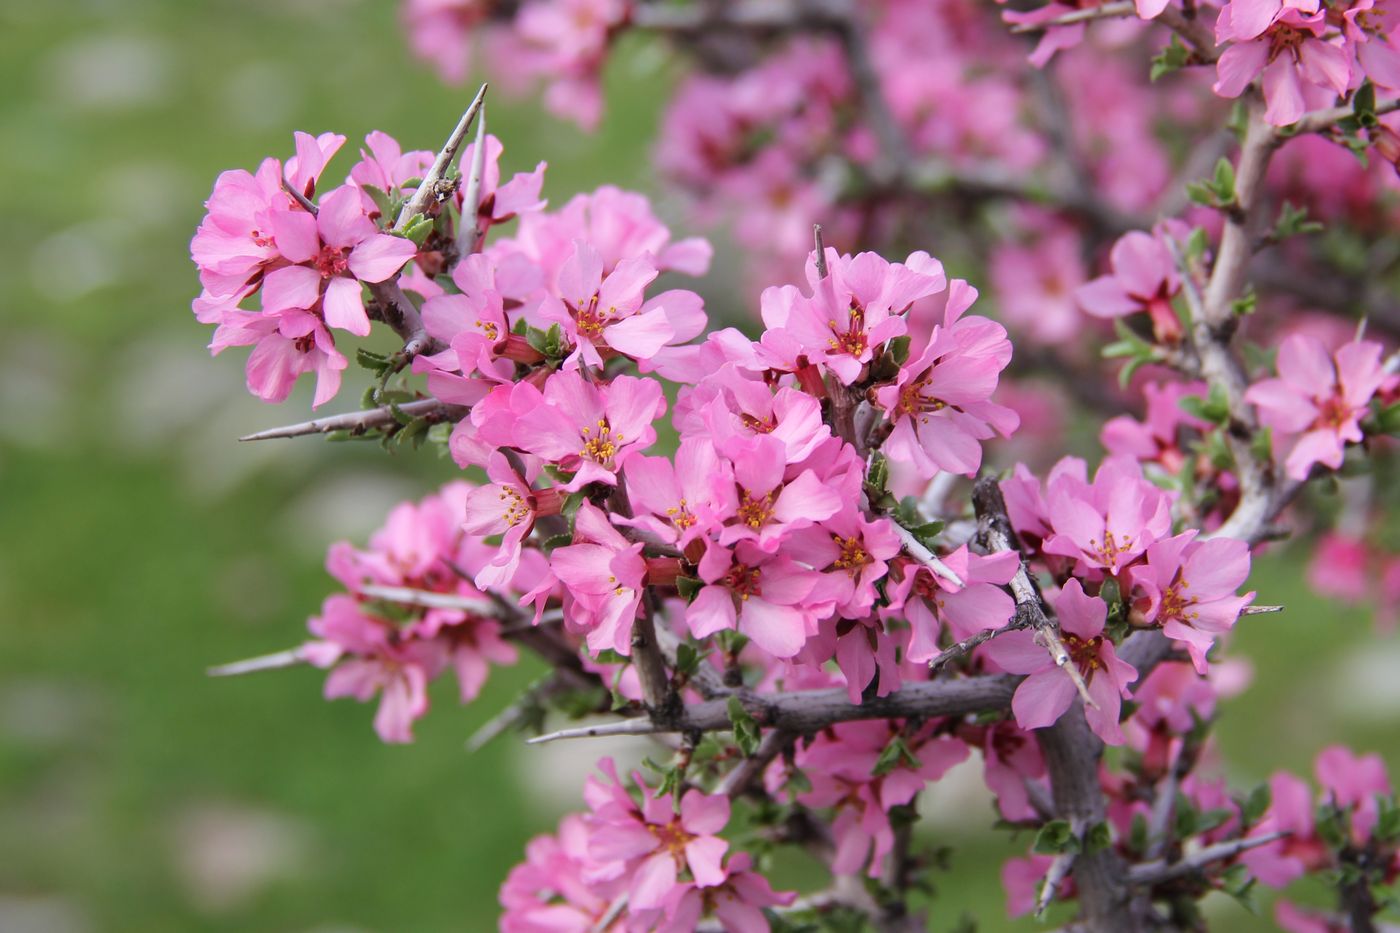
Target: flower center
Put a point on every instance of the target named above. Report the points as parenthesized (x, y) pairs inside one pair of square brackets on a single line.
[(1084, 653), (590, 320), (759, 425), (515, 509), (853, 340), (913, 403), (1175, 603), (852, 557), (1108, 551), (743, 580), (755, 512), (681, 515), (600, 447), (331, 262)]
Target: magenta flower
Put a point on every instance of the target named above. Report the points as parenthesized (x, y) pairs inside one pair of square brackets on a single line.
[(367, 660), (611, 312), (386, 167), (591, 430), (1048, 691), (737, 903), (507, 506), (1188, 587), (1290, 52), (981, 603), (652, 844), (332, 253), (603, 573), (1370, 28), (851, 552), (1144, 278), (674, 502), (758, 504), (551, 890), (285, 346), (762, 595), (1279, 863), (502, 202), (1316, 403), (1109, 524), (1353, 783), (853, 311), (940, 403)]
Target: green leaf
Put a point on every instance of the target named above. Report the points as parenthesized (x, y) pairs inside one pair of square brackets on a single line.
[(1197, 244), (1293, 221), (1363, 104), (1388, 418), (418, 229), (687, 658), (1055, 837), (688, 587), (899, 349), (1219, 190), (877, 476), (1253, 807), (894, 755), (375, 362), (382, 202), (1097, 838), (1172, 58), (746, 732)]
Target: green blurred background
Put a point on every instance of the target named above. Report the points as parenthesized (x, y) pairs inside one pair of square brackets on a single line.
[(141, 543)]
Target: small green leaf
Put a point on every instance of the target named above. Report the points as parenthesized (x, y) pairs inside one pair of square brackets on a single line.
[(746, 732), (1097, 838), (688, 587), (1172, 58), (896, 754), (418, 229), (1253, 807), (1055, 837), (687, 658), (899, 349)]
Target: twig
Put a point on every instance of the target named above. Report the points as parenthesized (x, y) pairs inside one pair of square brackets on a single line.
[(924, 556), (651, 666), (297, 196), (358, 422), (820, 246), (469, 233), (1059, 870), (426, 599), (807, 711), (1155, 872), (1123, 8), (1320, 120), (267, 662), (1197, 34), (738, 780), (1260, 610), (428, 191), (614, 911), (995, 534), (967, 645), (516, 713)]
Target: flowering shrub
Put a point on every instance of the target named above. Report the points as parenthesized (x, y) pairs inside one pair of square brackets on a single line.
[(800, 597)]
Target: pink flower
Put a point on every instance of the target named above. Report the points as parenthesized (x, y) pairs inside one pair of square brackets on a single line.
[(1370, 30), (1291, 53), (441, 31), (591, 430), (1109, 524), (1318, 400), (1047, 692), (737, 903), (651, 844), (851, 552), (603, 573), (1339, 568), (501, 202), (1279, 863), (368, 661), (1157, 437), (981, 603), (1144, 278), (1354, 782), (758, 503), (940, 402), (676, 502), (386, 167), (611, 312), (762, 595), (1188, 587), (854, 310), (550, 889), (285, 346), (1036, 284), (332, 253), (506, 506)]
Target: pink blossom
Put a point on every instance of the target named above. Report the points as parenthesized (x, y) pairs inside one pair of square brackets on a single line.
[(1108, 524), (386, 167), (1047, 692), (1036, 284), (506, 506), (331, 253), (940, 402), (370, 661), (567, 41), (550, 890), (1353, 783), (1144, 278), (737, 903), (441, 32), (676, 502), (758, 502), (1188, 587), (981, 603), (1316, 403), (851, 552), (652, 844), (590, 430), (1157, 437), (498, 202), (603, 572), (762, 595), (1279, 863), (854, 310), (285, 346), (1292, 54), (1370, 28)]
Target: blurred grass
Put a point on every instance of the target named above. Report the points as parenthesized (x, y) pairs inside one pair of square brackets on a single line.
[(141, 544)]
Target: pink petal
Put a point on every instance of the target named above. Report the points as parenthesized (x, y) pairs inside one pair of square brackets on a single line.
[(1042, 698), (345, 307), (378, 257)]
